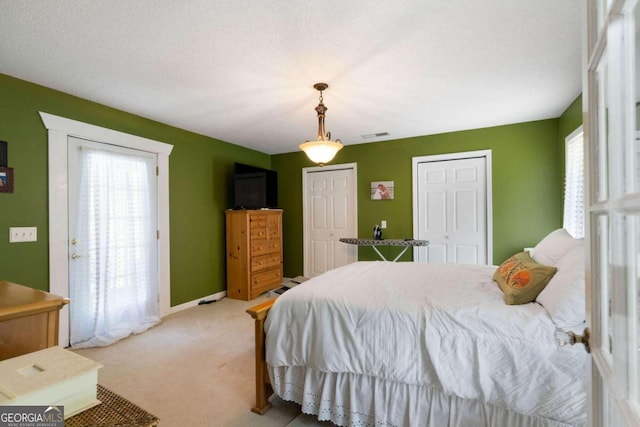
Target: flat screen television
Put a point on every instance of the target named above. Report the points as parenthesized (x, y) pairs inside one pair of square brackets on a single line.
[(254, 188)]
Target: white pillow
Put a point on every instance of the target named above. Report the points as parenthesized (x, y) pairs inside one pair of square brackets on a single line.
[(564, 296), (554, 246)]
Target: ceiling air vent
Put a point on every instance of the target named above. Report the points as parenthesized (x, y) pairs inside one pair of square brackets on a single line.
[(375, 135)]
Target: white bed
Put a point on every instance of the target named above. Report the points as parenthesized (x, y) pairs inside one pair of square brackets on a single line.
[(395, 344)]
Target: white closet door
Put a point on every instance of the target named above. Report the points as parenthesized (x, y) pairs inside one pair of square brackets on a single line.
[(330, 214), (451, 199)]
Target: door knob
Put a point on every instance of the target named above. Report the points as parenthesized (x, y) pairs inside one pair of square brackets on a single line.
[(571, 338), (75, 256)]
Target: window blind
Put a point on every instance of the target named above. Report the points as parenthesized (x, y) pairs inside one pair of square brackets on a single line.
[(573, 220)]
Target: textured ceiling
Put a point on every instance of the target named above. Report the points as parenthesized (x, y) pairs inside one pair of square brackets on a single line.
[(243, 71)]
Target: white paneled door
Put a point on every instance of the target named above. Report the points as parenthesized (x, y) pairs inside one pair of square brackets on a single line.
[(451, 208), (611, 100), (330, 213)]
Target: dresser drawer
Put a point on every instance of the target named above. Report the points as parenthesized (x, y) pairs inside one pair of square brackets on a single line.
[(274, 245), (258, 233), (259, 263), (274, 260), (259, 247), (268, 279), (273, 222), (258, 224), (273, 233), (258, 221), (265, 261)]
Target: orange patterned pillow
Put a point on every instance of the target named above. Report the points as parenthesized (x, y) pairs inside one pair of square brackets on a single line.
[(522, 279)]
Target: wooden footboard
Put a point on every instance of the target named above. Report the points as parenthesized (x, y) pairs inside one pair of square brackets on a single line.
[(263, 385)]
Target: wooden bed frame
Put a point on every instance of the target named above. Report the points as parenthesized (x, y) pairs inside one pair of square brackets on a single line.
[(263, 385)]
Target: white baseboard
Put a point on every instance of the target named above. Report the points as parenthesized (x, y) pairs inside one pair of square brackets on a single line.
[(195, 302)]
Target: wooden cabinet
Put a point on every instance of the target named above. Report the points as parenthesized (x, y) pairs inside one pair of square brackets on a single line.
[(28, 319), (254, 252)]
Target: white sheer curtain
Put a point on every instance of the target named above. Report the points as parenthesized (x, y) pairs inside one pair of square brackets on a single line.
[(113, 284), (573, 220)]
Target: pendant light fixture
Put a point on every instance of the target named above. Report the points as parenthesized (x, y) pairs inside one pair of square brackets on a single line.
[(322, 150)]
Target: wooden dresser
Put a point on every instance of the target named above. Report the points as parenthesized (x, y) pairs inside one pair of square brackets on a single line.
[(254, 252), (28, 319)]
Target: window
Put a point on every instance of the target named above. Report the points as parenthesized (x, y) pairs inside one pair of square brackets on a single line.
[(573, 220)]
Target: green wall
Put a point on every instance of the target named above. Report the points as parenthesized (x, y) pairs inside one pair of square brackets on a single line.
[(199, 167), (567, 123), (528, 170), (527, 184)]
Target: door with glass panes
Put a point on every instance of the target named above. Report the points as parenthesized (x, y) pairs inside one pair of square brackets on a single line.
[(611, 99)]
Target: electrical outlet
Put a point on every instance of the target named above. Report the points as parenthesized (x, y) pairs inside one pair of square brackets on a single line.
[(23, 234), (383, 224)]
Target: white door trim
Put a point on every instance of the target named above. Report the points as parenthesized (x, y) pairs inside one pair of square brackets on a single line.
[(486, 154), (60, 129), (306, 209)]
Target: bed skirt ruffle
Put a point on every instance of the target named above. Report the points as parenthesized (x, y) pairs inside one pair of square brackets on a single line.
[(349, 399)]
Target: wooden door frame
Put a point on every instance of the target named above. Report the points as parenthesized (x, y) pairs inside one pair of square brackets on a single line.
[(60, 129), (486, 154), (306, 209)]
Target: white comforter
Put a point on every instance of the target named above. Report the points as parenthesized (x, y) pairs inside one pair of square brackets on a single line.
[(445, 326)]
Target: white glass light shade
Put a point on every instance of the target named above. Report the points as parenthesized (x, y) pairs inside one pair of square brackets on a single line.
[(321, 152)]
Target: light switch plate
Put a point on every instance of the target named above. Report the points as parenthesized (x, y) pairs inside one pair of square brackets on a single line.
[(23, 234), (383, 224)]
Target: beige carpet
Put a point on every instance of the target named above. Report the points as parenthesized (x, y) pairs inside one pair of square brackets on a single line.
[(196, 368)]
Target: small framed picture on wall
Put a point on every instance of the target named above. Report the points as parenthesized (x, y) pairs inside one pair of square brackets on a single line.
[(6, 180), (382, 190)]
